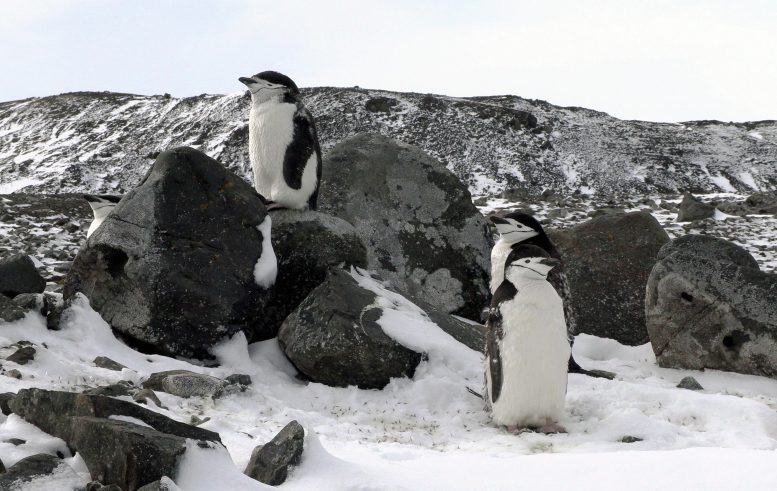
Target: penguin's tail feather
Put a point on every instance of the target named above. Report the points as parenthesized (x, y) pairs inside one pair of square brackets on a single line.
[(476, 394)]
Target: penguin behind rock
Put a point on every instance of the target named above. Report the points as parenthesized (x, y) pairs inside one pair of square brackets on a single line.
[(516, 229), (526, 346), (282, 143), (102, 205)]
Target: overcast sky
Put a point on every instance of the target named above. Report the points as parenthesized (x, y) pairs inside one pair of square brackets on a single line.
[(656, 60)]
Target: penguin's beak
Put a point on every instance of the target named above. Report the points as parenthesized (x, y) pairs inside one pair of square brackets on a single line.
[(549, 261), (247, 80)]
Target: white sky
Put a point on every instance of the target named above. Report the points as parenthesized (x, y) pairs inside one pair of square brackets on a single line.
[(658, 60)]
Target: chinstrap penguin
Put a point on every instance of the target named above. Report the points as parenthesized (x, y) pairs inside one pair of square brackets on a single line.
[(102, 205), (526, 346), (282, 143), (516, 229)]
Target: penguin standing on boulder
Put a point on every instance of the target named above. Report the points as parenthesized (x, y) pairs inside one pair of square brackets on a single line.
[(102, 205), (517, 229), (283, 143), (527, 349)]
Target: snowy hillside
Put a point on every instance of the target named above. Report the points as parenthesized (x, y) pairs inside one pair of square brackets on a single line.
[(103, 141)]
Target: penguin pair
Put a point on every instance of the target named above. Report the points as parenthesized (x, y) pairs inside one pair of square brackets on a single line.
[(282, 143), (527, 349), (517, 229)]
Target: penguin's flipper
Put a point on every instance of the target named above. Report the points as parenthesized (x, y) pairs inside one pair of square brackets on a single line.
[(303, 145), (493, 337)]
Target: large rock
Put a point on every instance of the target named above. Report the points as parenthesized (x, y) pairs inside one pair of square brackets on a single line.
[(709, 306), (607, 261), (334, 337), (39, 471), (422, 232), (120, 442), (307, 244), (18, 274), (269, 463), (171, 265), (692, 209)]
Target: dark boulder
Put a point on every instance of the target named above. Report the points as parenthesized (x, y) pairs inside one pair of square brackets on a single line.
[(692, 209), (422, 232), (607, 261), (708, 306), (307, 244), (270, 462), (172, 263), (334, 337), (18, 274), (49, 410), (120, 442), (24, 474)]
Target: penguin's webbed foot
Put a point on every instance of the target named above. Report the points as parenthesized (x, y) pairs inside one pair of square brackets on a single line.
[(551, 427), (517, 430)]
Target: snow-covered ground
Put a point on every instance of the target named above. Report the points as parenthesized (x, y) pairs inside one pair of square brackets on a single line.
[(429, 432)]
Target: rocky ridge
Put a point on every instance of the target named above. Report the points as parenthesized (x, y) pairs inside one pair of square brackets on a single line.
[(102, 141)]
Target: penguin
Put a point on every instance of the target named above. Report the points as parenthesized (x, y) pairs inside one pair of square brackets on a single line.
[(282, 143), (516, 229), (102, 205), (527, 349)]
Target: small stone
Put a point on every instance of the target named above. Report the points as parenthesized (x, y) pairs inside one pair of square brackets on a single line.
[(108, 364), (689, 383), (5, 398), (183, 383), (239, 379), (270, 462), (14, 373), (196, 421), (9, 310), (120, 388), (630, 439), (145, 395), (23, 355), (18, 274)]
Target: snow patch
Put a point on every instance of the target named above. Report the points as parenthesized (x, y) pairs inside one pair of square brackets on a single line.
[(723, 183), (266, 269), (18, 184), (210, 467)]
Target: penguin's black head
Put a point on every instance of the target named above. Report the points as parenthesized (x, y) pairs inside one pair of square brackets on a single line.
[(97, 201), (517, 226), (270, 81), (530, 261)]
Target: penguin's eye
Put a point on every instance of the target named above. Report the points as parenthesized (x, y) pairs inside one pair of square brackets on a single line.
[(527, 261)]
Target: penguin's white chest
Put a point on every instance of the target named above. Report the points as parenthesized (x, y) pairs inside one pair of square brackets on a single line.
[(499, 255), (534, 354), (270, 131), (99, 217)]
